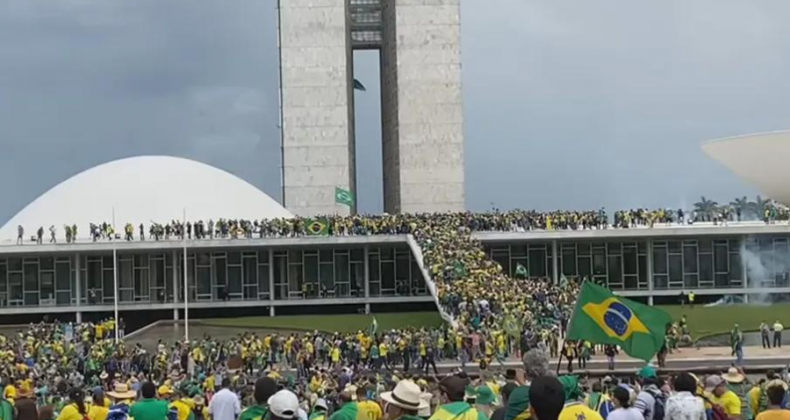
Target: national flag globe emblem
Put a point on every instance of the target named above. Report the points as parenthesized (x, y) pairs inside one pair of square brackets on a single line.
[(316, 227), (617, 317)]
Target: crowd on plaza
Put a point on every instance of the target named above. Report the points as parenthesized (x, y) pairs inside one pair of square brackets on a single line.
[(57, 371)]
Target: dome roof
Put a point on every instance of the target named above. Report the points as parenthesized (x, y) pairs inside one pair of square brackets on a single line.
[(143, 189), (759, 159)]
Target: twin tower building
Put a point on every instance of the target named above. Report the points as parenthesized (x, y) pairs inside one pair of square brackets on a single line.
[(421, 103)]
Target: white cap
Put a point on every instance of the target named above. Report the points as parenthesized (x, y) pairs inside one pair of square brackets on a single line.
[(321, 403), (284, 404)]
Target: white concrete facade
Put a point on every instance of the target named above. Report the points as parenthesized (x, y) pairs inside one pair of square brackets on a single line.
[(317, 105), (422, 121)]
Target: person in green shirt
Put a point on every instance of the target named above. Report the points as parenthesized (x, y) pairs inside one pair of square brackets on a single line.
[(265, 388), (149, 408)]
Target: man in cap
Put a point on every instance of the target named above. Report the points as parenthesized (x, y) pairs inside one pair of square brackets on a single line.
[(265, 388), (650, 395), (404, 402), (284, 405), (319, 410), (453, 389), (574, 408), (719, 394)]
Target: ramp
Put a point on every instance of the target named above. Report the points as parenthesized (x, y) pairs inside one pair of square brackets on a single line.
[(417, 251)]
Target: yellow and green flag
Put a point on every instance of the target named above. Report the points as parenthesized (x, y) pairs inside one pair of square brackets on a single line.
[(600, 317), (318, 226), (345, 197)]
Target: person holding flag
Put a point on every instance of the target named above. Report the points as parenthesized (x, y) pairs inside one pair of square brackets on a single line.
[(601, 317)]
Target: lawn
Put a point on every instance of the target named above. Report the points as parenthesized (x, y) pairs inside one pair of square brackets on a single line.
[(720, 319), (332, 323)]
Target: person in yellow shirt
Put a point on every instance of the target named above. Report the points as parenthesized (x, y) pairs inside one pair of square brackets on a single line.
[(335, 357), (775, 411), (75, 409), (100, 406), (573, 408), (367, 410), (718, 393)]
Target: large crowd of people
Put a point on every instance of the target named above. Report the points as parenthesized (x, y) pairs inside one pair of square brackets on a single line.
[(59, 371)]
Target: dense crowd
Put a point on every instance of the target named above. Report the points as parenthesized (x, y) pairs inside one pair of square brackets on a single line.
[(78, 372)]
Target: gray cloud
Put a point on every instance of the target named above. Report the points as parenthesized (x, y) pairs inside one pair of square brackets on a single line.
[(568, 104)]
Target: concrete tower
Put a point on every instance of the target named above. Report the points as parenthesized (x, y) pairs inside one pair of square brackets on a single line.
[(422, 111)]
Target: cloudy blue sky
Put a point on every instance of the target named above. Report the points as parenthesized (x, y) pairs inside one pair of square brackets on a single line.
[(569, 104)]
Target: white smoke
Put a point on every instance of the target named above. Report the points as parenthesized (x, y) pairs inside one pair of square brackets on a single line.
[(761, 269)]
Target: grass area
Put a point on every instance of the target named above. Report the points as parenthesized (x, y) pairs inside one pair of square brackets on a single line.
[(331, 323), (704, 321)]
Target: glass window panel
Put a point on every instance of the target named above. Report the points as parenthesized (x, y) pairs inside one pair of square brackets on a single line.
[(48, 285), (47, 263), (585, 267), (234, 279), (660, 260), (326, 255), (736, 272), (203, 281), (689, 259), (3, 282), (705, 245), (373, 266), (108, 292), (706, 267), (631, 283), (220, 273), (722, 280), (358, 255), (31, 278), (387, 275), (250, 271), (614, 248), (643, 269), (63, 298), (661, 281), (569, 261), (62, 276), (327, 273), (629, 261), (583, 248), (691, 281), (31, 299), (642, 247), (720, 259), (234, 257), (125, 280), (599, 262), (518, 250), (735, 245), (263, 257), (675, 268), (263, 279), (402, 267), (615, 271), (537, 263), (674, 247), (14, 264)]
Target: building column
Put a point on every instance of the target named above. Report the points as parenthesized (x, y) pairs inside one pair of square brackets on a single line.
[(649, 258), (744, 271), (175, 314), (175, 282), (78, 288), (555, 275), (271, 280), (271, 310)]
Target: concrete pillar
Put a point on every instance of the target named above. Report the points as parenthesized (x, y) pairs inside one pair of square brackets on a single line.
[(175, 280), (79, 317), (649, 258), (650, 300), (367, 275), (745, 298), (555, 275), (175, 314), (271, 279), (367, 309), (271, 311)]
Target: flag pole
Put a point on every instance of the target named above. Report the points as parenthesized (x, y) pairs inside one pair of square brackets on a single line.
[(186, 284), (115, 278)]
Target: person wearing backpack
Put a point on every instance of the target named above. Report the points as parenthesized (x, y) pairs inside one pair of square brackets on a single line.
[(650, 400)]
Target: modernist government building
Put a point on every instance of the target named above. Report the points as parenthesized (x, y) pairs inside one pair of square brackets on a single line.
[(422, 145)]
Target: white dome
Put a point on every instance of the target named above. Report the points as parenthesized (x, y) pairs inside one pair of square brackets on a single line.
[(143, 190), (759, 159)]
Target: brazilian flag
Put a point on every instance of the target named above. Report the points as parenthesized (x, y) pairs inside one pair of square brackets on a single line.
[(317, 227), (600, 317)]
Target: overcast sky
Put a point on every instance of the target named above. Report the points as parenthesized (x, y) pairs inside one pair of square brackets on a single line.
[(568, 104)]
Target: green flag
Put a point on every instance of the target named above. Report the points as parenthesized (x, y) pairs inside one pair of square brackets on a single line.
[(319, 226), (603, 318), (459, 270), (344, 197), (521, 271), (374, 326)]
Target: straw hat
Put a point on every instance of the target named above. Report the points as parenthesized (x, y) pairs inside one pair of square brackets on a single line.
[(733, 376), (121, 391), (406, 395)]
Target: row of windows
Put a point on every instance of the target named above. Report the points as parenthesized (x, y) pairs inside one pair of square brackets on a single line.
[(212, 276)]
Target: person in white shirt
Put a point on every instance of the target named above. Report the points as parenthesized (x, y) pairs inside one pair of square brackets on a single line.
[(622, 406), (225, 404), (684, 404)]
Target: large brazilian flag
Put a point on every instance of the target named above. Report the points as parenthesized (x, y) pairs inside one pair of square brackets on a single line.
[(600, 317)]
